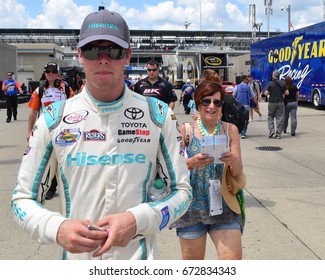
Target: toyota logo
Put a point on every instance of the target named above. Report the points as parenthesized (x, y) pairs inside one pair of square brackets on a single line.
[(134, 113)]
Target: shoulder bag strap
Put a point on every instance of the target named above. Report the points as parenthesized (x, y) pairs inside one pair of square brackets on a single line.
[(188, 130)]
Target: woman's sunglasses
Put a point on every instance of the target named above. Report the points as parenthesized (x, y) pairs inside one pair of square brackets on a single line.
[(51, 71), (94, 52), (216, 102)]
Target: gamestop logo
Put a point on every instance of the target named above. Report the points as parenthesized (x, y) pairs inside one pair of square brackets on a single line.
[(84, 159)]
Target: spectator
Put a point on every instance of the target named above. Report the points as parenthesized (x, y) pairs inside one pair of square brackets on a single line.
[(24, 88), (156, 86), (209, 74), (207, 178), (11, 87), (51, 89), (275, 90), (243, 94), (291, 106), (187, 92), (254, 105), (128, 82)]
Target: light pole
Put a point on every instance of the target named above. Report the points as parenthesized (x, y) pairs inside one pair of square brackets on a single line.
[(186, 24), (288, 9), (219, 21), (200, 58), (258, 26), (268, 12)]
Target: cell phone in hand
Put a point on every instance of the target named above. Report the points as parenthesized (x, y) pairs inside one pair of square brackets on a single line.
[(90, 227)]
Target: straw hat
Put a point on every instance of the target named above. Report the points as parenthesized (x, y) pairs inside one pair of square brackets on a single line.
[(230, 187)]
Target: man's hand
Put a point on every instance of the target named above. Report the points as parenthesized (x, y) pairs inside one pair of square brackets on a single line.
[(121, 228), (75, 237)]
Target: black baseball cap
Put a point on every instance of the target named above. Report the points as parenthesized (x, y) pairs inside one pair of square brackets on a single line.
[(53, 66)]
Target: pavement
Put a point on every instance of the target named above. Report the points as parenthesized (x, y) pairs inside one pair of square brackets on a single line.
[(285, 192)]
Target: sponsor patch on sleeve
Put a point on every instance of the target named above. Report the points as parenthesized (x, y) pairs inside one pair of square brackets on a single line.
[(165, 217)]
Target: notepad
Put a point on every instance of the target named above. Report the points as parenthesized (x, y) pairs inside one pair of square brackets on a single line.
[(214, 146)]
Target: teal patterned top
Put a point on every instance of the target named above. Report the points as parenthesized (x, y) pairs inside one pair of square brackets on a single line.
[(198, 211)]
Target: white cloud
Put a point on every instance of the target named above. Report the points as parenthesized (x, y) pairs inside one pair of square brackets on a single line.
[(69, 15), (12, 13), (236, 18), (166, 14)]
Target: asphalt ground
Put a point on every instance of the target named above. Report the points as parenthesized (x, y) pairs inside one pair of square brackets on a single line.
[(285, 192)]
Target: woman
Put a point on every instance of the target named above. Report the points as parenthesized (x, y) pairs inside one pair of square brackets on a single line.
[(207, 74), (224, 229), (291, 105)]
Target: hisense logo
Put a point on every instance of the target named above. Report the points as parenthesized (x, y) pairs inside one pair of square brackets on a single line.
[(83, 159), (102, 25)]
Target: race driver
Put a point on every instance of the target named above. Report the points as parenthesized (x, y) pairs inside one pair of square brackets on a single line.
[(105, 145)]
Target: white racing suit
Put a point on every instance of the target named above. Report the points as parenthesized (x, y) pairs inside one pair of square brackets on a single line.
[(105, 155)]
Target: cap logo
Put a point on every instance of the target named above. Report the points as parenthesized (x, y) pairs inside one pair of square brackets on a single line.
[(102, 25)]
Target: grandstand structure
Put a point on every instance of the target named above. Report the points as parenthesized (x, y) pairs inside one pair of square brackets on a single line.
[(146, 44), (141, 40)]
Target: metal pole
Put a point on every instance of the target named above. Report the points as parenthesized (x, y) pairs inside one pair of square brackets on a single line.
[(200, 55), (268, 11), (259, 25), (289, 17), (201, 23), (268, 22)]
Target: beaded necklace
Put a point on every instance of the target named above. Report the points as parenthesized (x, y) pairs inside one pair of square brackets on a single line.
[(203, 129), (217, 168)]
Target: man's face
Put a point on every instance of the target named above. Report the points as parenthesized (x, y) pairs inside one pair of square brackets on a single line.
[(9, 76), (152, 71), (103, 68)]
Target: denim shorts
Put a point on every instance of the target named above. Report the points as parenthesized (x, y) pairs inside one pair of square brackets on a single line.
[(200, 229)]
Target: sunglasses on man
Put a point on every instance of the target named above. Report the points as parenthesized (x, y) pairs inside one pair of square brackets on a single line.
[(207, 101), (94, 52)]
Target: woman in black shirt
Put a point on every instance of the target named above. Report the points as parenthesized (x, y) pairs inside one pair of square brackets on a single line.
[(291, 105)]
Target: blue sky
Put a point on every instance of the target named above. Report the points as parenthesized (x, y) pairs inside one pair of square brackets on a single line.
[(217, 15)]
